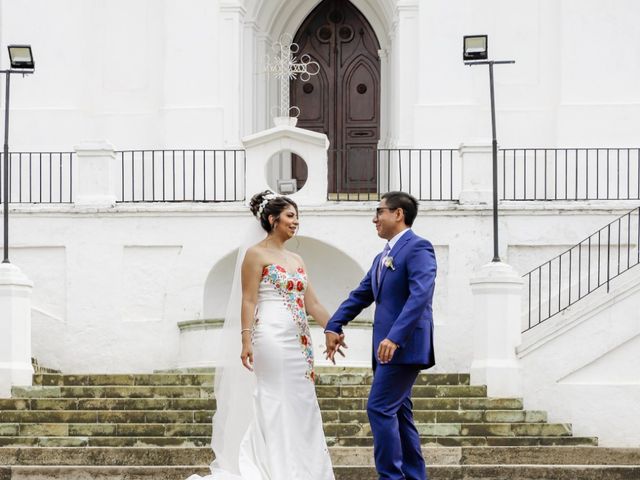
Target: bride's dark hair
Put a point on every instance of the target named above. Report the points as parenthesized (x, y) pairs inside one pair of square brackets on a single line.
[(272, 205)]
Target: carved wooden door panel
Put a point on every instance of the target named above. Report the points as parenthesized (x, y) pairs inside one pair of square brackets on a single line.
[(343, 100)]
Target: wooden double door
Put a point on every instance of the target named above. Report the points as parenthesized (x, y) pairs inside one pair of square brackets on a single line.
[(343, 100)]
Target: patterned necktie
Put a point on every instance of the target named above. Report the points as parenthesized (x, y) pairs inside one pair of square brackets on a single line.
[(385, 252)]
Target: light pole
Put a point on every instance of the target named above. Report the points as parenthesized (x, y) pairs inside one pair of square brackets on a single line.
[(475, 52), (22, 63)]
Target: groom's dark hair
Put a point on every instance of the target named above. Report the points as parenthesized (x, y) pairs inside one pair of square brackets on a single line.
[(406, 202)]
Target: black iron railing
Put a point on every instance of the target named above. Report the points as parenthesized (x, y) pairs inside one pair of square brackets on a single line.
[(559, 283), (569, 173), (429, 174), (181, 175), (39, 177)]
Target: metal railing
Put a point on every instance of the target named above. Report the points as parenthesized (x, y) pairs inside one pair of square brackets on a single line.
[(559, 283), (430, 174), (426, 173), (39, 177), (569, 173), (181, 175)]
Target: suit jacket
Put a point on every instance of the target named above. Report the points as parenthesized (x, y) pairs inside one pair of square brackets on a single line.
[(403, 302)]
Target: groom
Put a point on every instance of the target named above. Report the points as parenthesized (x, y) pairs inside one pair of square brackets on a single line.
[(401, 282)]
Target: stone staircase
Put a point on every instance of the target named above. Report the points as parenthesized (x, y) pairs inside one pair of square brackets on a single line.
[(158, 426)]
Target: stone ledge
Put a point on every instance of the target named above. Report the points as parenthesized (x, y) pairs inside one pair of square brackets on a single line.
[(214, 323), (330, 208)]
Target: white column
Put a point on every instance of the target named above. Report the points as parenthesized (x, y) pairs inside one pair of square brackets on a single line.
[(496, 334), (96, 182), (15, 329), (265, 94), (232, 52), (405, 66), (251, 68), (385, 92), (477, 173)]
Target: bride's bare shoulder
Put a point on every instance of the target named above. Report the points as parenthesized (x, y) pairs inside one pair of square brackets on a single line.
[(255, 254)]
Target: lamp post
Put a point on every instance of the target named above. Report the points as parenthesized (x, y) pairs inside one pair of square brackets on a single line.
[(475, 52), (21, 59)]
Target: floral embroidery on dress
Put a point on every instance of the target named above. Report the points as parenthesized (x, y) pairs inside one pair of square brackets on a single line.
[(291, 287)]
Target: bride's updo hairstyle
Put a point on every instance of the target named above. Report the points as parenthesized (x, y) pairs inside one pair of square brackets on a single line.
[(267, 203)]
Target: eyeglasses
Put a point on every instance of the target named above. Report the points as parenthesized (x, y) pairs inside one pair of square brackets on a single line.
[(379, 210)]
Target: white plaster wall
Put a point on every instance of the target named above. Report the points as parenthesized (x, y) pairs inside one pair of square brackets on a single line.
[(46, 266), (599, 94), (112, 285), (141, 74), (166, 73), (572, 83), (581, 365)]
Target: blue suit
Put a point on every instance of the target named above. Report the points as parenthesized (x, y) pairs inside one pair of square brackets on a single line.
[(403, 315)]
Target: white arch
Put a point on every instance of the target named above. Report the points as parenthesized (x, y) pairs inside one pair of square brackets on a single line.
[(333, 273), (275, 17)]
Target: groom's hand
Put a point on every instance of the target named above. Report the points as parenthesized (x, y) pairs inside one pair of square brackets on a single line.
[(386, 349), (333, 342)]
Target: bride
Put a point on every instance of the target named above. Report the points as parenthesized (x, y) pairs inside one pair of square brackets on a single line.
[(268, 425)]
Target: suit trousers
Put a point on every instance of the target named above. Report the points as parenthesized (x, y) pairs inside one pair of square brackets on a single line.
[(396, 442)]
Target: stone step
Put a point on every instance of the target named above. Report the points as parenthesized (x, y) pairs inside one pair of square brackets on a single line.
[(114, 392), (362, 456), (469, 403), (100, 472), (68, 404), (581, 455), (442, 416), (105, 429), (357, 441), (190, 391), (470, 441), (331, 429), (65, 441), (524, 455), (460, 429), (106, 416), (464, 403), (419, 391), (367, 378), (154, 379), (204, 416), (436, 472), (508, 472), (138, 456), (133, 456), (207, 379)]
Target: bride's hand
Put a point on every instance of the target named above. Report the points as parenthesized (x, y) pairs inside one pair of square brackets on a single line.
[(247, 355)]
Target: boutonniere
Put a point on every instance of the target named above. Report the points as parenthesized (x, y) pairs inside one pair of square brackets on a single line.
[(388, 262)]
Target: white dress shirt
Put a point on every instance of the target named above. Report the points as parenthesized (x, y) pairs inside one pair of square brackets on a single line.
[(397, 237)]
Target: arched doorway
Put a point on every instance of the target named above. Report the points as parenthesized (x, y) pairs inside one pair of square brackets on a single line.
[(343, 100), (334, 274)]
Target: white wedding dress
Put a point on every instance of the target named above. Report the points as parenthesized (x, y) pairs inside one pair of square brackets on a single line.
[(284, 439)]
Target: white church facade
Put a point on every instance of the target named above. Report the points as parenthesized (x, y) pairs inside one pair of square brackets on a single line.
[(148, 124)]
